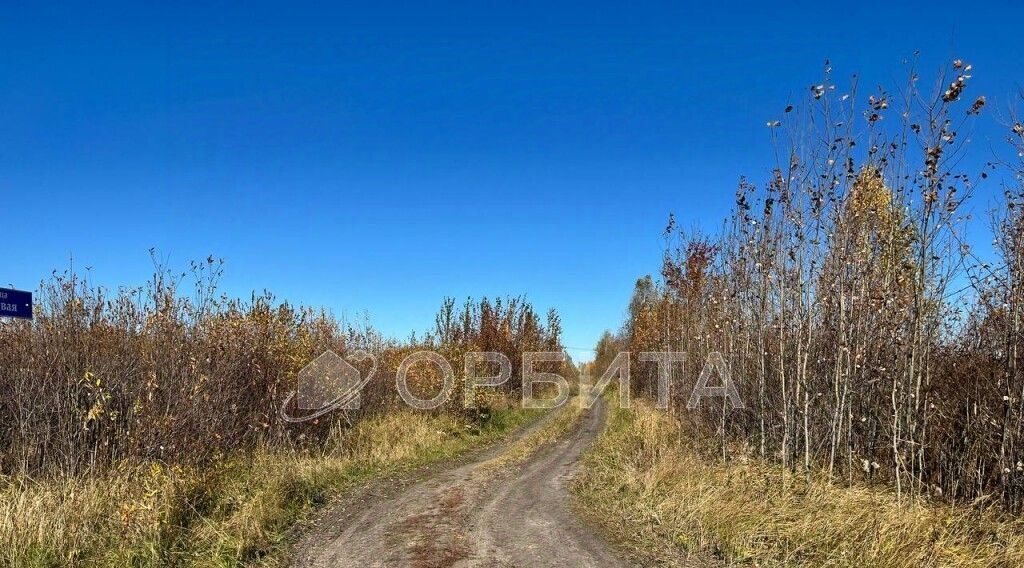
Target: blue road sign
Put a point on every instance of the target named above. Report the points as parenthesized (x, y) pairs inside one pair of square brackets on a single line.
[(15, 303)]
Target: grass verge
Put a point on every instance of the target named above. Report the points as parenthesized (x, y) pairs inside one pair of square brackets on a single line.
[(235, 513), (661, 499)]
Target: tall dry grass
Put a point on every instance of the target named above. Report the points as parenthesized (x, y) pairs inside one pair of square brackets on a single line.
[(658, 493), (237, 512)]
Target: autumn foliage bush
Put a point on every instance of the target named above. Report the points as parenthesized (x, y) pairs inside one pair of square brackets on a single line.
[(161, 372)]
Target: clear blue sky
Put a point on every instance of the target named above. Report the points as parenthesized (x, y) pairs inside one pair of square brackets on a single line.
[(381, 156)]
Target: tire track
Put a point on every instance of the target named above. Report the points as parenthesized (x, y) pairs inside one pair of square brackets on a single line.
[(471, 515)]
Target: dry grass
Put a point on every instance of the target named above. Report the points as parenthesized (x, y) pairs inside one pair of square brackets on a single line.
[(237, 512), (665, 501)]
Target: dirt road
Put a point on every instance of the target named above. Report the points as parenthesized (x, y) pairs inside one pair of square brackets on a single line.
[(469, 515)]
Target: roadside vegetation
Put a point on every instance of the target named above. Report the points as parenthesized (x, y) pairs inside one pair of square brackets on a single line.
[(877, 354), (647, 483), (145, 425), (235, 512)]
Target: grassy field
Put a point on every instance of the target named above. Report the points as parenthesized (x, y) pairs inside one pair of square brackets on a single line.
[(236, 512), (658, 496)]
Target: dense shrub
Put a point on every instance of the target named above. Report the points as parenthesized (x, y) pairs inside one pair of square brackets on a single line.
[(161, 373)]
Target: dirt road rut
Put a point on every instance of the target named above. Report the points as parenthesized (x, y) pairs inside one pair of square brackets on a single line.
[(472, 515)]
